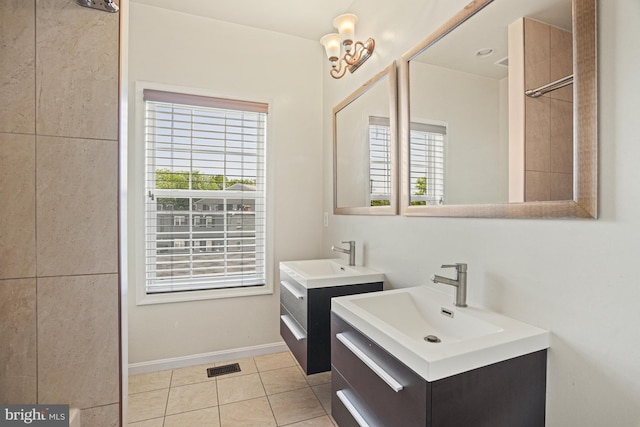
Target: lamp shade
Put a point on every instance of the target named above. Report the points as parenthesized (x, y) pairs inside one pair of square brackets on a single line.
[(346, 26), (331, 43)]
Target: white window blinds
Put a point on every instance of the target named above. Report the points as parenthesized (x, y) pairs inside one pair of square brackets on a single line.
[(380, 161), (205, 192), (426, 176)]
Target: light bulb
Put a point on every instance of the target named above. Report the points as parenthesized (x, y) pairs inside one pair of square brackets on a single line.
[(346, 26)]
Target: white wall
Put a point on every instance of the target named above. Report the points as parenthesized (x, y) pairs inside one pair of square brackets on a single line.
[(470, 106), (576, 278), (352, 127), (239, 62)]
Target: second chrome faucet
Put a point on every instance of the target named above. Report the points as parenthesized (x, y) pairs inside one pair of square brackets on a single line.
[(460, 282), (351, 251)]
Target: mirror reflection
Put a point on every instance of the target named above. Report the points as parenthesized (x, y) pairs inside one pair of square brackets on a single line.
[(364, 148), (474, 136)]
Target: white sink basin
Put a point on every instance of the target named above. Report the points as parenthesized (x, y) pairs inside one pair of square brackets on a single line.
[(318, 273), (399, 320)]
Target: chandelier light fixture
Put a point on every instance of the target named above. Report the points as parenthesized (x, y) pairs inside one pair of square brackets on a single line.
[(355, 53)]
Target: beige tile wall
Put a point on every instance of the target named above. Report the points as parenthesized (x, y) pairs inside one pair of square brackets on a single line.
[(17, 192), (18, 335), (17, 68), (58, 220), (84, 219), (549, 118)]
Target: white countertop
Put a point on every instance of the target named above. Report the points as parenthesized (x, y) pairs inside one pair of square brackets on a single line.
[(320, 273), (398, 320)]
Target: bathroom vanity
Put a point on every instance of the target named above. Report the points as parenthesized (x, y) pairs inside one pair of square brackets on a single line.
[(411, 358), (306, 290)]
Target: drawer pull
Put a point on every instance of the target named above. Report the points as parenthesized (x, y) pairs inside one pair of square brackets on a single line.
[(298, 333), (352, 409), (384, 375), (288, 286)]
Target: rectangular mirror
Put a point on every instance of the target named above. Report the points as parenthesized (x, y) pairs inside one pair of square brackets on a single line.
[(499, 113), (365, 148)]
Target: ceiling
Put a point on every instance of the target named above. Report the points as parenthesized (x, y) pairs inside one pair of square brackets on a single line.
[(488, 30), (309, 19)]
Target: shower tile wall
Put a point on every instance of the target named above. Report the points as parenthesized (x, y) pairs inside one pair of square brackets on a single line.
[(549, 118), (58, 220)]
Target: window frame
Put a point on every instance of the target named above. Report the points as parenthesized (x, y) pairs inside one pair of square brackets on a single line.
[(426, 126), (137, 201)]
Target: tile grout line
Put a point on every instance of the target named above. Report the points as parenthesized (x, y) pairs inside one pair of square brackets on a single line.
[(273, 414), (164, 415), (35, 183), (218, 400)]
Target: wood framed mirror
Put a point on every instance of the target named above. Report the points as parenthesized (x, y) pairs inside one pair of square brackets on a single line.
[(473, 144), (365, 148)]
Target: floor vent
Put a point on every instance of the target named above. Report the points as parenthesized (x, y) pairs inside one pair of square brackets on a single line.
[(222, 370)]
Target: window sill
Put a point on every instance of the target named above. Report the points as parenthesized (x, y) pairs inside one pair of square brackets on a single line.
[(172, 297)]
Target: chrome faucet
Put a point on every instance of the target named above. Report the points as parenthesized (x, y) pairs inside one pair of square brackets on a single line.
[(351, 251), (460, 282)]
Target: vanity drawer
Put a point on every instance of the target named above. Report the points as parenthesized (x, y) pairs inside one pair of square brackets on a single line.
[(396, 394), (294, 335), (347, 406), (294, 297)]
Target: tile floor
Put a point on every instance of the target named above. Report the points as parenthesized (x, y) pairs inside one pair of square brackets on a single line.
[(270, 390)]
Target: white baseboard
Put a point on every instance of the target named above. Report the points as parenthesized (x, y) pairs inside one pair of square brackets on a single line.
[(204, 358)]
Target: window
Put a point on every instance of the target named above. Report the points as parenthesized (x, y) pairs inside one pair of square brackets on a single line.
[(203, 154), (380, 161), (426, 177)]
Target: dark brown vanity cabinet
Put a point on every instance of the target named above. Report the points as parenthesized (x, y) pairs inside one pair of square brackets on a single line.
[(305, 322), (506, 394)]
